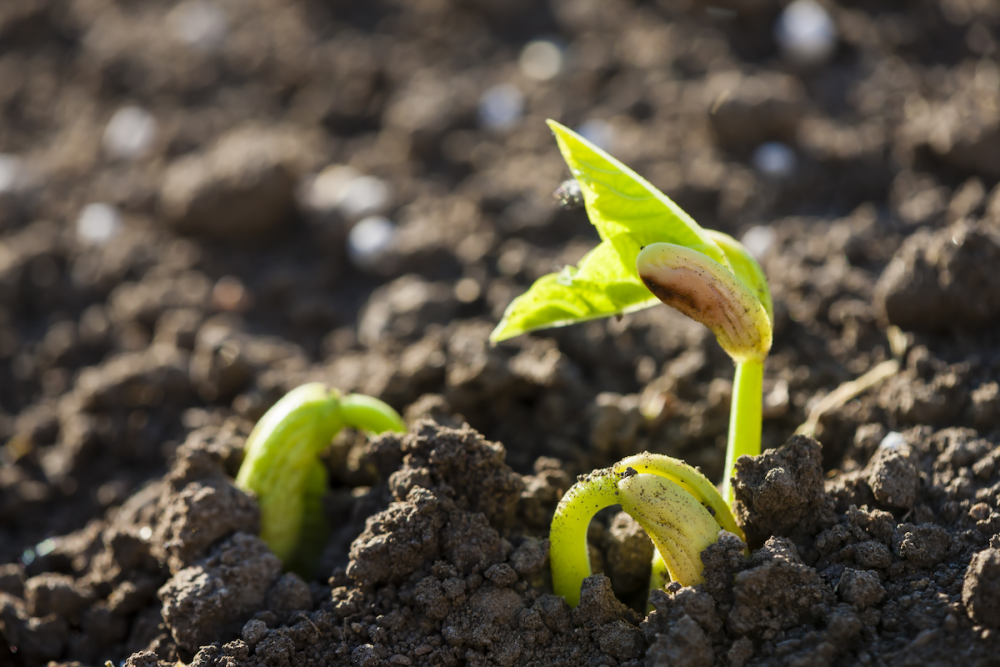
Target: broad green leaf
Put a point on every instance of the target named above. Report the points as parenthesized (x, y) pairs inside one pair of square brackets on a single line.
[(627, 211), (746, 268), (600, 286)]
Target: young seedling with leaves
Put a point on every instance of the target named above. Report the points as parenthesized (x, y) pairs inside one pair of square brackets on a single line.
[(282, 465), (651, 251)]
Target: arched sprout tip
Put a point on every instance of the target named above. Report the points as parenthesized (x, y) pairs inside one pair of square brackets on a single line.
[(283, 469), (679, 508)]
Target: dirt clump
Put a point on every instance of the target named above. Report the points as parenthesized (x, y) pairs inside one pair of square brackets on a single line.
[(979, 588), (241, 189), (182, 192), (216, 596), (943, 280), (781, 492)]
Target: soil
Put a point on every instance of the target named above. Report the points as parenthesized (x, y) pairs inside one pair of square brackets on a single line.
[(135, 360)]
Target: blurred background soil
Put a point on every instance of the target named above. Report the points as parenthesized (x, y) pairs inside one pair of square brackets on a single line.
[(204, 204)]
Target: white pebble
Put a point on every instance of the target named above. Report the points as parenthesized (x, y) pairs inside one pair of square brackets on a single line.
[(775, 160), (325, 190), (598, 132), (369, 241), (365, 195), (501, 107), (758, 240), (341, 188), (806, 33), (130, 133), (98, 223), (541, 60), (11, 173), (892, 440), (201, 24)]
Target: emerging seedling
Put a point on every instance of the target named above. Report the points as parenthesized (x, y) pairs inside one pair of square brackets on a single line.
[(282, 465), (651, 250), (739, 314), (680, 510)]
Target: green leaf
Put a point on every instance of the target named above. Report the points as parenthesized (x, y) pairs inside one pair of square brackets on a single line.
[(628, 213), (600, 286), (625, 208), (746, 268)]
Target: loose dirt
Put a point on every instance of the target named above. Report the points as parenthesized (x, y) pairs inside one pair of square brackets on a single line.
[(139, 343)]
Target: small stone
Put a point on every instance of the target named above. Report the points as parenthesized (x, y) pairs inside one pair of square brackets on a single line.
[(893, 478), (806, 33), (775, 160), (861, 588), (981, 588), (501, 574), (530, 557), (254, 631), (241, 189), (130, 133), (872, 554), (200, 24), (369, 241), (758, 240), (541, 60), (229, 294), (52, 593), (364, 195), (365, 656), (12, 579), (501, 107), (98, 223), (289, 593), (892, 440), (12, 173)]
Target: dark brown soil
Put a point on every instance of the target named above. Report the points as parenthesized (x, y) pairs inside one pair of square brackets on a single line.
[(133, 367)]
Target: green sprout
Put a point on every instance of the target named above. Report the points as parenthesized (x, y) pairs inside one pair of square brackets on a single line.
[(282, 465), (652, 251), (680, 510)]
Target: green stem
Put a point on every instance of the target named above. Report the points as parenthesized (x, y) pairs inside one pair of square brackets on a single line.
[(744, 419), (569, 553), (659, 576), (370, 414)]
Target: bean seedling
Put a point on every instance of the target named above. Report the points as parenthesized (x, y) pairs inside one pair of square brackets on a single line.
[(680, 510), (652, 251), (282, 465)]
